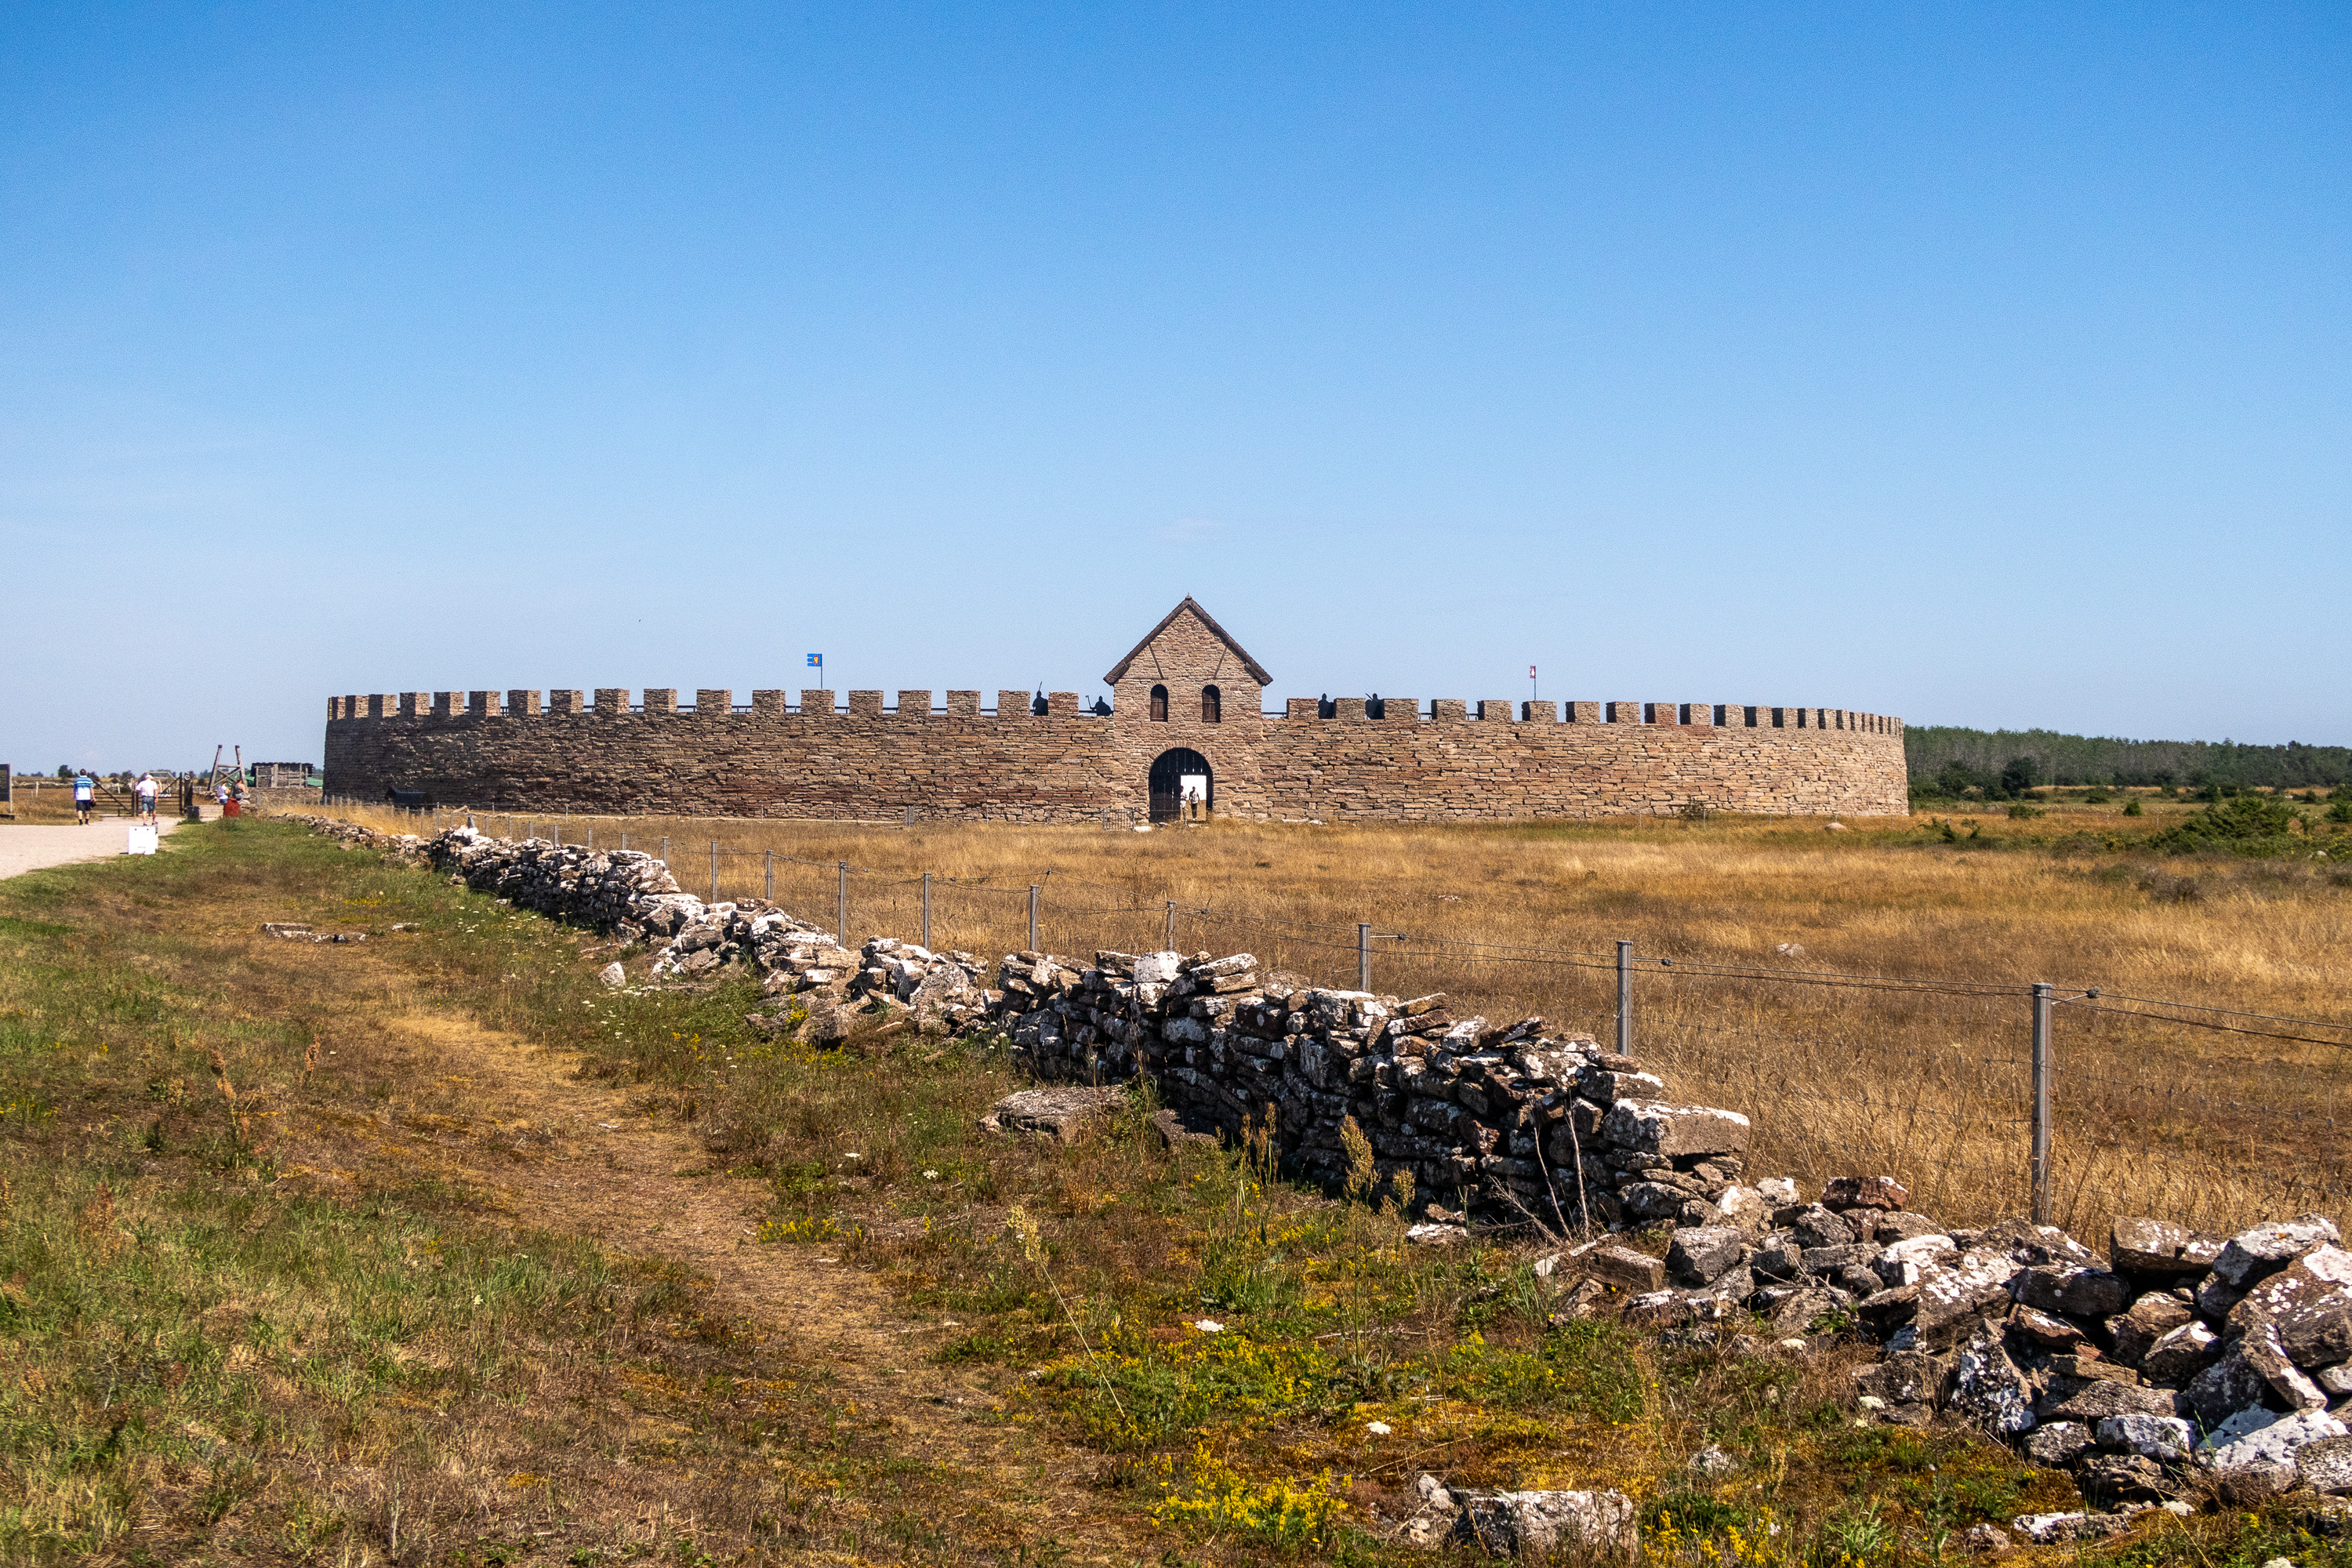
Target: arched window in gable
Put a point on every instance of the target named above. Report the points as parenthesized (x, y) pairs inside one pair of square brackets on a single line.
[(1159, 705), (1212, 705)]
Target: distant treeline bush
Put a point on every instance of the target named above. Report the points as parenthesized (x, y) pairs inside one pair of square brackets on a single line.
[(1946, 753)]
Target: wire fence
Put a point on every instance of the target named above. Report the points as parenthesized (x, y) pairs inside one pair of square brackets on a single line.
[(2204, 1114)]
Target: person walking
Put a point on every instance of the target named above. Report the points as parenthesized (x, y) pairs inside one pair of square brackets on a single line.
[(85, 796), (146, 790)]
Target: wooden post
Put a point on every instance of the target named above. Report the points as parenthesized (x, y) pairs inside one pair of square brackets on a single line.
[(1624, 998)]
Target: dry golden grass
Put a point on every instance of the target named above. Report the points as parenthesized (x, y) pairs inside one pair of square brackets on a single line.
[(1931, 1082)]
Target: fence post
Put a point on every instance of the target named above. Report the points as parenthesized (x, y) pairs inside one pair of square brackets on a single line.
[(1363, 955), (841, 908), (714, 871), (591, 839), (2042, 1103), (1624, 998), (1032, 917), (926, 909), (664, 852), (770, 876), (625, 841), (1168, 937), (911, 816)]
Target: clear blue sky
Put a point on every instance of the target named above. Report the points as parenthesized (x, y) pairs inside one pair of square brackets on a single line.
[(1979, 364)]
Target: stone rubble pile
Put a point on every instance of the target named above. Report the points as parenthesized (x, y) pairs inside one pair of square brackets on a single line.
[(290, 930), (2177, 1352)]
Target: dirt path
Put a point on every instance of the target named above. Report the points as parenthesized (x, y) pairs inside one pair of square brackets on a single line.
[(564, 1154)]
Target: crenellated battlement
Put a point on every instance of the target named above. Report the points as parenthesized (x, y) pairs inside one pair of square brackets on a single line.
[(1188, 726), (612, 702)]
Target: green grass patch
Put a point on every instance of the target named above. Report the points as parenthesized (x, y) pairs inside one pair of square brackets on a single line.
[(213, 1359)]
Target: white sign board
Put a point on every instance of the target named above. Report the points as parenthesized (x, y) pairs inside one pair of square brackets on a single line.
[(142, 840)]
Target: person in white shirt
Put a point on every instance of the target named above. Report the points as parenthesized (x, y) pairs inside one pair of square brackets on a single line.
[(146, 788)]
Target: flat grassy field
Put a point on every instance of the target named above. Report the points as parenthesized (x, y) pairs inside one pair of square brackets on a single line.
[(427, 1249), (1763, 925)]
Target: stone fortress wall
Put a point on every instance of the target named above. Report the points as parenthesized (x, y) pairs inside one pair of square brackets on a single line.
[(1187, 685)]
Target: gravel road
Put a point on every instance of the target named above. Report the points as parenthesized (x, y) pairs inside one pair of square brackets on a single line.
[(24, 850)]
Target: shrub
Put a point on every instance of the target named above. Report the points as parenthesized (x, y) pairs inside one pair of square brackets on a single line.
[(2245, 823)]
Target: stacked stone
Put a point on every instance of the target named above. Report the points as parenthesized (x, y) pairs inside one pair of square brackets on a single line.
[(406, 847), (710, 935), (633, 895), (794, 956), (1506, 1115), (898, 982), (1068, 1022), (624, 891)]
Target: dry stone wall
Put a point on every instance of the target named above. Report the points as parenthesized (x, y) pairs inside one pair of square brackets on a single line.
[(2178, 1364)]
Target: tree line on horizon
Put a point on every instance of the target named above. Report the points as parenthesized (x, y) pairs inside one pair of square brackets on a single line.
[(1935, 753)]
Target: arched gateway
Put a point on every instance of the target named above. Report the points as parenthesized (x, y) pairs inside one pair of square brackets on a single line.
[(1177, 773)]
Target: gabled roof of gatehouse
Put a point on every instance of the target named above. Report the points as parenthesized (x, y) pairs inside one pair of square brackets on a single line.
[(1257, 671)]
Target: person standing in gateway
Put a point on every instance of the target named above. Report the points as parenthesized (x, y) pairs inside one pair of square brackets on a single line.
[(146, 788), (85, 796)]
